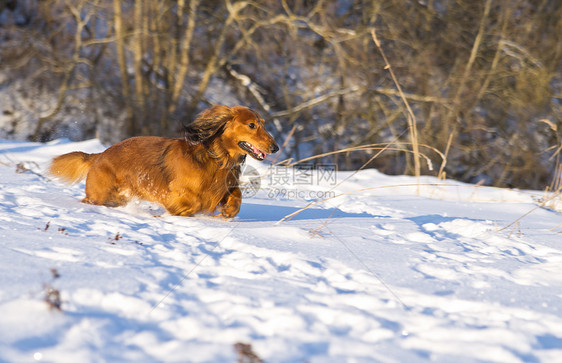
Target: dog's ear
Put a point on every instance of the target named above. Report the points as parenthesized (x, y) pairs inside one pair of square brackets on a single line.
[(220, 111), (208, 124)]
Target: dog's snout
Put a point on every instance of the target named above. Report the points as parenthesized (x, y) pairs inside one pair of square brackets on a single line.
[(273, 149)]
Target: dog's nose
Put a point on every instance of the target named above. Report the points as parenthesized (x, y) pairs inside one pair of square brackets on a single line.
[(274, 148)]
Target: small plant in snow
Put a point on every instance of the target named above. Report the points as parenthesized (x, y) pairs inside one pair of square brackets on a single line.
[(246, 354), (52, 295)]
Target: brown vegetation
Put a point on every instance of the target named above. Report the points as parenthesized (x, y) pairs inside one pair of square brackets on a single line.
[(482, 78)]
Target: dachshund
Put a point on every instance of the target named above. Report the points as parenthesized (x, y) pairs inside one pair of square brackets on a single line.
[(196, 174)]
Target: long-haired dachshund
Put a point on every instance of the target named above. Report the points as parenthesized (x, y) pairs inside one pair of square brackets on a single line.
[(198, 173)]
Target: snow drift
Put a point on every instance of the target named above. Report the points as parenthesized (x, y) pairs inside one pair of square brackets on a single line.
[(396, 270)]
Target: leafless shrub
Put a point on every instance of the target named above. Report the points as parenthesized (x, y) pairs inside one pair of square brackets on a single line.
[(478, 77)]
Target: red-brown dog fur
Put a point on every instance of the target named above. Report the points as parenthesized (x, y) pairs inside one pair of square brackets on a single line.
[(198, 173)]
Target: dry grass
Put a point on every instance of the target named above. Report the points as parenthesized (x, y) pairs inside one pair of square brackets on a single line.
[(412, 123)]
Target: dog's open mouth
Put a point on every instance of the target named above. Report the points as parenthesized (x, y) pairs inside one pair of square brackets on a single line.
[(252, 150)]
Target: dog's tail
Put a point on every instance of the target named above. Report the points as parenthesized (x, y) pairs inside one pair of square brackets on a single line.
[(72, 167)]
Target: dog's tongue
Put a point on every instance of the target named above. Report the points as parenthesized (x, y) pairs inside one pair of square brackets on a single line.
[(258, 152)]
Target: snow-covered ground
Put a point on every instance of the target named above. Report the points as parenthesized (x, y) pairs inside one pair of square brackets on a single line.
[(383, 273)]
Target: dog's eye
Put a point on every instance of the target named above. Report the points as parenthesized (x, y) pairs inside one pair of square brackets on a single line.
[(252, 125)]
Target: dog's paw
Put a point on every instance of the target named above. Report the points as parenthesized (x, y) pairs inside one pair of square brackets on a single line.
[(230, 210)]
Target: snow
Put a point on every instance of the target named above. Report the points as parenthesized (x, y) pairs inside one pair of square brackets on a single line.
[(394, 270)]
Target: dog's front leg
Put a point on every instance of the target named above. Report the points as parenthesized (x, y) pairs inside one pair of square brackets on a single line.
[(230, 205)]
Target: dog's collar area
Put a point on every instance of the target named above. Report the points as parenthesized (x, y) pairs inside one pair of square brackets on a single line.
[(213, 154), (232, 163)]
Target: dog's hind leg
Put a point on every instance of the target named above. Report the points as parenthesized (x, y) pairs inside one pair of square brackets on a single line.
[(185, 205), (103, 188)]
